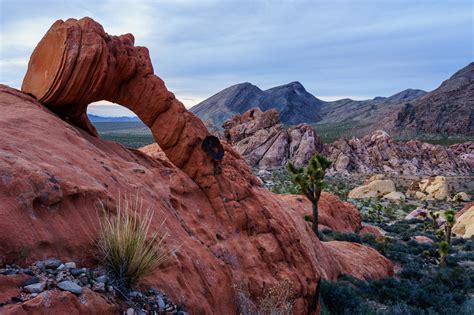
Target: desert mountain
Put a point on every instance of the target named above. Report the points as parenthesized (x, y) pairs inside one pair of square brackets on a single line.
[(293, 102), (367, 111), (448, 110), (96, 118)]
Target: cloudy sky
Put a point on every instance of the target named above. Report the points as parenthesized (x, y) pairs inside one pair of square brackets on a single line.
[(358, 49)]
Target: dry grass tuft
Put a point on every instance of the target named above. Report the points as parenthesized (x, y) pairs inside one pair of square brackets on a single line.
[(126, 251), (276, 300)]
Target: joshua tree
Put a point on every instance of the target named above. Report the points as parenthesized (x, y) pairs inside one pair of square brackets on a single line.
[(443, 252), (444, 245), (448, 225), (434, 219), (310, 182)]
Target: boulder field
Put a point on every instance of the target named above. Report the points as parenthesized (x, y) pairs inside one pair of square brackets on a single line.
[(226, 229), (264, 143)]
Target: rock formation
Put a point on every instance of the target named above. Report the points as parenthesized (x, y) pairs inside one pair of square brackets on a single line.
[(431, 188), (373, 189), (464, 225), (264, 143), (227, 229), (380, 153), (294, 104), (77, 63)]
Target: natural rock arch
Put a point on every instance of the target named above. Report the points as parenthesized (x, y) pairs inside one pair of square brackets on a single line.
[(77, 63)]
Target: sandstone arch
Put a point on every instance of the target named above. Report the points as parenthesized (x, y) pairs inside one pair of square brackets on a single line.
[(77, 63)]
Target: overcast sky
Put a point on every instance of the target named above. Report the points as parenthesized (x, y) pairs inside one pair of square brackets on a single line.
[(336, 49)]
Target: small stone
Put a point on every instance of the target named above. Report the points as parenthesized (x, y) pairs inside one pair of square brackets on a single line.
[(10, 272), (50, 284), (169, 308), (40, 265), (70, 265), (77, 271), (152, 291), (99, 287), (33, 280), (27, 271), (61, 267), (134, 294), (130, 311), (84, 280), (102, 279), (52, 263), (70, 286), (161, 303), (33, 295), (35, 288)]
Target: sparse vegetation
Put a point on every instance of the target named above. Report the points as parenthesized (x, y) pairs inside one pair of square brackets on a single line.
[(127, 251), (275, 301), (419, 286), (310, 181)]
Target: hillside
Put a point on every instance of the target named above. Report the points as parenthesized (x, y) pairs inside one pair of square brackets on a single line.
[(294, 103), (366, 111), (446, 111)]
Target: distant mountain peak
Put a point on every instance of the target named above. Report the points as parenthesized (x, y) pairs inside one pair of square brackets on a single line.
[(406, 95), (293, 102)]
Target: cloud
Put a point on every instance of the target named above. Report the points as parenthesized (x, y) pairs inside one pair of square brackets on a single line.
[(347, 48)]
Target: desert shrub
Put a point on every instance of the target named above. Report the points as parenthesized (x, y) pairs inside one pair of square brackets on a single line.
[(340, 298), (126, 251), (348, 237), (275, 301)]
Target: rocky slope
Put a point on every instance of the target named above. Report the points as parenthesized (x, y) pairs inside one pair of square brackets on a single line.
[(380, 153), (264, 143), (366, 112), (227, 229), (448, 110), (292, 101)]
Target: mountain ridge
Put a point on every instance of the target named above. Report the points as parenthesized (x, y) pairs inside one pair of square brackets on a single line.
[(452, 102)]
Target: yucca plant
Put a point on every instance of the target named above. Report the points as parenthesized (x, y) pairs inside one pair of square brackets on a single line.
[(443, 252), (310, 181), (127, 251), (449, 216)]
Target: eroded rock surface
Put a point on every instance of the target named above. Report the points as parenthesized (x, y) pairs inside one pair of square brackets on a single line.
[(380, 153), (264, 143), (77, 63)]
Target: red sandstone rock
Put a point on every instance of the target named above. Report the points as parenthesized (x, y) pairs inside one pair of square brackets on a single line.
[(375, 231), (10, 286), (77, 63), (359, 261), (333, 213), (228, 229), (423, 239), (62, 302)]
